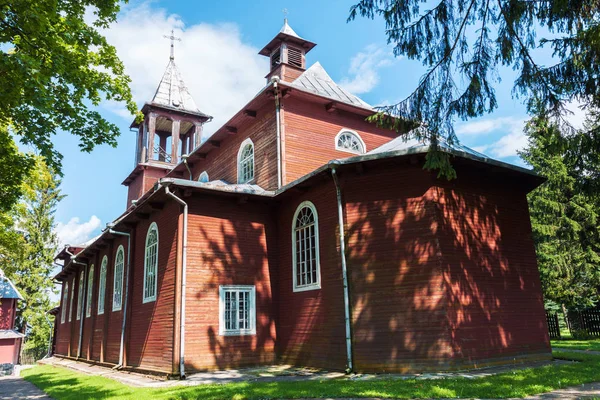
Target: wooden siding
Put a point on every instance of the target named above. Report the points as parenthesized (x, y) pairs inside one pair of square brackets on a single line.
[(310, 133), (144, 182), (310, 329), (7, 313), (229, 244)]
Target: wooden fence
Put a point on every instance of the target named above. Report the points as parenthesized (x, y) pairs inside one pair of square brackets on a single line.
[(553, 327), (586, 321)]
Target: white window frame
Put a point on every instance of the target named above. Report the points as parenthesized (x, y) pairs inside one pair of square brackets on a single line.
[(71, 301), (239, 161), (102, 285), (63, 311), (118, 279), (251, 289), (80, 294), (90, 292), (147, 299), (204, 175), (316, 285), (355, 134)]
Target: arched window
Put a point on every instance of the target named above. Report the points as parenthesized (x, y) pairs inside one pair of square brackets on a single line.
[(350, 142), (64, 303), (151, 263), (246, 162), (203, 177), (80, 294), (102, 285), (305, 248), (88, 301), (71, 301), (118, 279)]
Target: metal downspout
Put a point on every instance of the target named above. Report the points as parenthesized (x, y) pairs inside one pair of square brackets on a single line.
[(275, 81), (344, 271), (122, 348), (82, 315), (183, 281), (184, 158)]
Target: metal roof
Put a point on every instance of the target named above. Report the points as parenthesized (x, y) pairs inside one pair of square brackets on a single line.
[(316, 80), (10, 334), (8, 289)]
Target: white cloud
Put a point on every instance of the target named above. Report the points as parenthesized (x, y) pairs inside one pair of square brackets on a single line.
[(76, 232), (513, 138), (220, 70), (364, 69)]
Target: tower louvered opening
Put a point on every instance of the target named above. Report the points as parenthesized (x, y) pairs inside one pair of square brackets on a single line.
[(295, 57), (276, 58)]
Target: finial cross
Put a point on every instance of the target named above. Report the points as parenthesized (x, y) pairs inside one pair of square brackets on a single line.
[(173, 38), (285, 14)]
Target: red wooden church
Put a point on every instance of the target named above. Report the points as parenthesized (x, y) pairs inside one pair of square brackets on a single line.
[(10, 338), (299, 233)]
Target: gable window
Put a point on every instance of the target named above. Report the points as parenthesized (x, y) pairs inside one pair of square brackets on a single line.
[(71, 301), (350, 142), (102, 285), (203, 177), (246, 162), (237, 310), (64, 303), (80, 294), (305, 248), (151, 263), (88, 301), (118, 279)]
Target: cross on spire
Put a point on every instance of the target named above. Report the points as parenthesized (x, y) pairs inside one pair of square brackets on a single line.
[(173, 38), (285, 14)]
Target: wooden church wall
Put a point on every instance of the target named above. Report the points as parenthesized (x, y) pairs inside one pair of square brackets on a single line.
[(63, 331), (310, 327), (229, 244), (114, 319), (309, 136)]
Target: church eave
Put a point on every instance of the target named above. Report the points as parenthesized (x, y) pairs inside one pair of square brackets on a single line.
[(192, 115), (276, 42)]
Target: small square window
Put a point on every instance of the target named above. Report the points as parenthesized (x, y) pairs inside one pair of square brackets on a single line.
[(237, 310)]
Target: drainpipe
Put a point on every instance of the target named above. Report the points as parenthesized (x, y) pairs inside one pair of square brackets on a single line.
[(82, 315), (184, 158), (124, 308), (183, 280), (344, 270), (275, 81), (49, 354)]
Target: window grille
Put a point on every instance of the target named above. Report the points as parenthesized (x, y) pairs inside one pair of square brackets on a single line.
[(88, 301), (350, 142), (71, 301), (151, 263), (64, 303), (237, 309), (305, 252), (246, 162), (203, 177), (102, 285), (118, 279)]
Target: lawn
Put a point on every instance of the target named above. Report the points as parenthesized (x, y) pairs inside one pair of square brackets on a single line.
[(62, 383), (577, 344)]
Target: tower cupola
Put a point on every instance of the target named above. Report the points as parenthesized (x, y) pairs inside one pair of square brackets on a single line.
[(287, 54)]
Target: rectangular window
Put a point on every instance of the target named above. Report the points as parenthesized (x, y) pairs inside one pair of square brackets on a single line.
[(237, 310)]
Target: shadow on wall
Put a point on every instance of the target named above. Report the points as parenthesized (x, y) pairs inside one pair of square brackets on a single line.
[(440, 277)]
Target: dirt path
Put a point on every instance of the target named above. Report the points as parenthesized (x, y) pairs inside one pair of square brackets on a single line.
[(15, 387)]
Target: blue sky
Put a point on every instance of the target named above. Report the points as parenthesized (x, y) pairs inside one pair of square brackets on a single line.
[(218, 61)]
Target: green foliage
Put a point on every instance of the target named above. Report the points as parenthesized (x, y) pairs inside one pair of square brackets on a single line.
[(13, 169), (565, 212), (28, 244), (61, 383), (55, 67), (463, 43)]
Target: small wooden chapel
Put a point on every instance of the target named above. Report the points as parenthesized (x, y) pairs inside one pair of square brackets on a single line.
[(299, 233)]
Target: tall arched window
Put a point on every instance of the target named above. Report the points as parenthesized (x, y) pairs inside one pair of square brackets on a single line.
[(118, 279), (102, 285), (88, 301), (350, 142), (63, 311), (151, 263), (80, 294), (246, 162), (71, 301), (305, 248), (203, 177)]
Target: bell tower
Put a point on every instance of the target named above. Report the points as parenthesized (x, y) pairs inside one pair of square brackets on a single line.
[(287, 52), (172, 127)]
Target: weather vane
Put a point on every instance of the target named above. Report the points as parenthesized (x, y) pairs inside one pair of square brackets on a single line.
[(285, 14), (173, 39)]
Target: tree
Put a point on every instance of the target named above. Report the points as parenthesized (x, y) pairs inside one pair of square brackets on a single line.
[(565, 213), (462, 44), (29, 247), (55, 68)]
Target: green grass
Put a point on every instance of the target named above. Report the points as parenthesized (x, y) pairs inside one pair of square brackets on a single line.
[(577, 344), (62, 383)]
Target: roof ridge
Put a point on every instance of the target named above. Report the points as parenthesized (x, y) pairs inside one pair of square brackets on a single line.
[(173, 92)]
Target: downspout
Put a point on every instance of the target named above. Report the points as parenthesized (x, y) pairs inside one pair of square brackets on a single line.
[(82, 315), (344, 270), (184, 158), (122, 348), (183, 280), (49, 354), (275, 81)]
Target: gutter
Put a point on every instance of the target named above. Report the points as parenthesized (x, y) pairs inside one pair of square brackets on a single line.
[(122, 345), (340, 210), (166, 184)]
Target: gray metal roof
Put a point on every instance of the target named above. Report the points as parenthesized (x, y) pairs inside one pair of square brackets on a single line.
[(8, 289), (10, 334), (224, 186), (173, 93), (316, 80)]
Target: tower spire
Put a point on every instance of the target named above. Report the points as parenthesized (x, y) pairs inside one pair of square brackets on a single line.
[(173, 38)]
